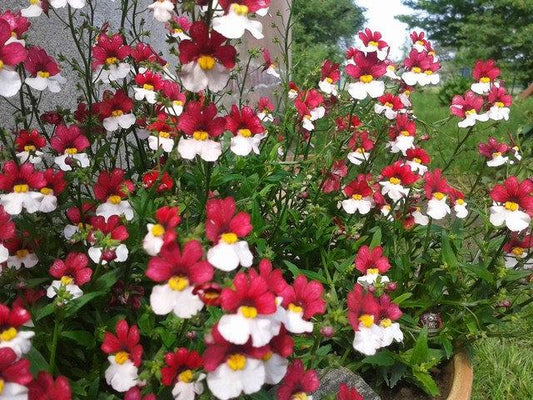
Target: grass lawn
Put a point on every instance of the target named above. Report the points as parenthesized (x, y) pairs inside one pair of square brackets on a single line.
[(503, 368)]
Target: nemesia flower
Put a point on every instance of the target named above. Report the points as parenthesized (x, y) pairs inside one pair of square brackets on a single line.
[(64, 3), (23, 185), (361, 145), (417, 159), (264, 110), (79, 219), (35, 9), (115, 111), (164, 182), (513, 204), (332, 181), (372, 264), (309, 105), (347, 393), (242, 365), (494, 151), (416, 217), (421, 69), (180, 371), (329, 77), (224, 228), (499, 102), (249, 303), (110, 189), (389, 105), (359, 196), (200, 124), (298, 383), (419, 42), (388, 313), (179, 26), (44, 388), (363, 312), (206, 61), (161, 233), (43, 70), (402, 134), (268, 65), (399, 177), (275, 361), (11, 54), (70, 274), (125, 354), (109, 55), (436, 189), (11, 334), (21, 254), (247, 130), (459, 204), (18, 24), (391, 71), (209, 293), (106, 237), (468, 108), (164, 132), (405, 95), (172, 99), (55, 185), (70, 143), (28, 145), (372, 43), (234, 22), (163, 10), (7, 232), (485, 74), (14, 374), (148, 84), (135, 394), (178, 270), (519, 250), (366, 69), (145, 55), (293, 90)]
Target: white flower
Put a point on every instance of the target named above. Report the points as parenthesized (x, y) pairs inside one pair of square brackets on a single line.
[(460, 208), (199, 145), (391, 72), (49, 201), (175, 296), (42, 82), (437, 206), (18, 341), (246, 375), (509, 214), (121, 252), (175, 109), (498, 112), (244, 144), (115, 206), (386, 212), (497, 160), (417, 76), (471, 117), (236, 22), (357, 203), (162, 10), (71, 156), (14, 391), (328, 87), (119, 120), (402, 143), (372, 276), (65, 283), (71, 3), (367, 340), (34, 10), (367, 87), (292, 319), (229, 253), (141, 93), (275, 368), (390, 331), (186, 389), (416, 166), (483, 86), (245, 323), (10, 82), (358, 156), (4, 253), (153, 241), (206, 73), (34, 156), (420, 218), (162, 140), (395, 191), (387, 110), (121, 374), (112, 73), (22, 257)]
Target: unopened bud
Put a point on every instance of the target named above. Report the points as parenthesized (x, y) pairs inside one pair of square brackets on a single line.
[(327, 331)]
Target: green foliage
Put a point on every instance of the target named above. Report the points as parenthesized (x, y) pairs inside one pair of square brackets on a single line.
[(451, 87)]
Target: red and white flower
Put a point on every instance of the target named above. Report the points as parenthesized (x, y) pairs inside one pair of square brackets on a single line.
[(372, 43), (64, 3), (173, 100), (22, 186), (21, 254), (485, 74), (201, 125), (372, 264), (162, 232), (417, 159), (206, 61), (11, 334), (391, 71), (366, 69), (309, 105), (15, 375), (7, 232), (421, 69), (459, 204), (70, 275), (44, 71), (399, 179), (436, 189), (148, 84), (115, 111), (499, 102), (179, 26), (35, 9), (293, 90), (79, 220), (19, 26), (359, 195), (388, 313), (275, 361), (224, 228), (402, 135), (181, 371), (70, 142), (419, 42), (178, 271), (513, 204), (125, 354), (264, 110), (110, 189), (468, 108), (332, 181), (106, 237), (163, 10), (55, 185), (329, 78), (109, 55), (11, 55), (247, 130), (163, 129), (28, 145), (234, 22), (519, 251), (268, 65), (495, 152), (44, 388), (298, 383), (361, 146), (389, 105)]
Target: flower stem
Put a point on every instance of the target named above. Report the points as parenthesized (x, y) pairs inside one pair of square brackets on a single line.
[(55, 339)]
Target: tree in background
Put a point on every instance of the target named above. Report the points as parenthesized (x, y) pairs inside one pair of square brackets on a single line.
[(481, 29), (322, 29)]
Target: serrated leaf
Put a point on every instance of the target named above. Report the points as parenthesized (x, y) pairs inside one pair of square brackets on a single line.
[(420, 351), (426, 382), (383, 358), (480, 271)]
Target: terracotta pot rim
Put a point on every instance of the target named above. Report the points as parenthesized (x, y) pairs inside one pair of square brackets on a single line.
[(463, 377)]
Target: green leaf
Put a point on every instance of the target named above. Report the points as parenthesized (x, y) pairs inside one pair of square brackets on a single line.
[(383, 358), (480, 271), (512, 275), (376, 238), (448, 256), (427, 383), (75, 305), (400, 299), (81, 337), (420, 351), (146, 323), (309, 274), (37, 361), (107, 280), (45, 311)]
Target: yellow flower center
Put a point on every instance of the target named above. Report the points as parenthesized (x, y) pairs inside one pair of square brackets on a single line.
[(43, 74), (245, 132), (267, 356), (8, 335), (23, 188), (29, 147), (164, 134), (185, 376), (499, 104), (387, 104), (158, 230), (391, 68), (511, 206), (357, 196), (239, 9), (518, 251), (428, 72), (295, 309), (299, 396), (66, 280), (1, 380), (200, 135), (117, 113), (416, 70), (360, 150), (236, 362), (71, 151), (46, 191), (484, 79), (395, 181), (111, 60), (248, 312), (385, 323), (373, 43), (420, 42), (329, 80), (460, 202), (121, 357), (34, 2), (497, 154), (367, 320), (1, 64), (178, 283), (417, 160), (405, 133), (147, 86), (178, 30), (438, 195), (366, 78), (470, 112), (229, 238), (372, 271), (177, 103), (206, 62), (22, 253), (114, 199)]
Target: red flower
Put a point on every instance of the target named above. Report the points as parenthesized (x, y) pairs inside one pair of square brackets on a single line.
[(485, 71), (306, 296), (135, 394), (418, 38), (172, 262), (14, 318), (243, 122), (13, 53), (149, 80), (17, 23), (153, 177), (370, 38), (7, 227), (126, 341), (20, 179), (223, 223), (330, 71), (514, 193), (199, 122), (391, 101), (367, 66), (70, 139), (209, 293), (435, 185), (265, 105), (388, 310), (51, 118), (359, 187), (267, 60), (168, 218), (29, 140), (249, 290), (75, 267), (403, 126), (143, 52), (360, 141), (55, 182), (347, 393), (112, 184), (418, 155), (179, 366), (44, 388), (297, 381), (253, 5), (371, 259), (361, 304), (113, 104), (81, 216), (13, 370), (332, 183), (283, 344), (517, 245), (274, 278), (498, 96), (492, 147), (461, 106), (109, 50), (39, 63), (111, 227), (343, 123), (399, 173), (171, 91), (206, 48)]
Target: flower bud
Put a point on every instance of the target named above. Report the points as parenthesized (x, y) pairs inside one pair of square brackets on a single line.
[(391, 286), (109, 255), (327, 331)]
